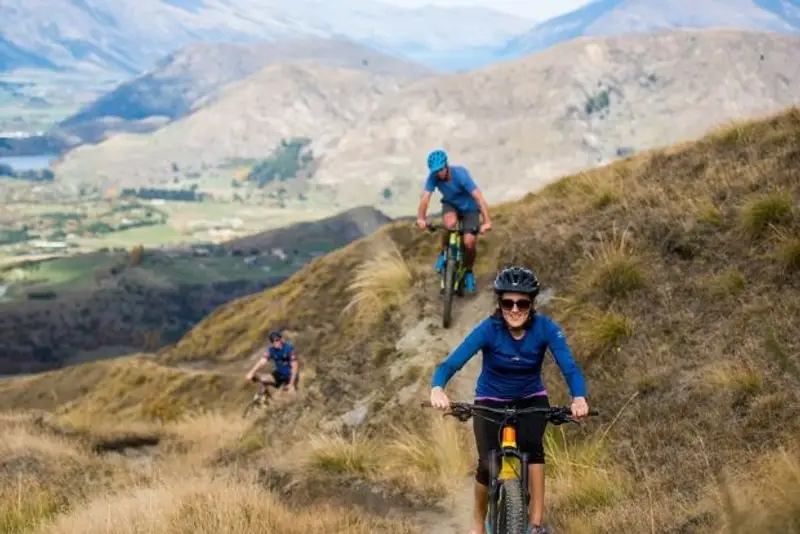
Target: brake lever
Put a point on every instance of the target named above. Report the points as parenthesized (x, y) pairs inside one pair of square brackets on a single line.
[(460, 413)]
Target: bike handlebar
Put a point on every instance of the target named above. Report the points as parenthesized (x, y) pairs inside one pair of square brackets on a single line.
[(433, 227), (557, 415)]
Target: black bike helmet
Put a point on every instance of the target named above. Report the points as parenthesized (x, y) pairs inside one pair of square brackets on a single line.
[(274, 336), (516, 279)]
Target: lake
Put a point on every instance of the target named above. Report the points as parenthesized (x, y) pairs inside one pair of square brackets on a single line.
[(28, 163)]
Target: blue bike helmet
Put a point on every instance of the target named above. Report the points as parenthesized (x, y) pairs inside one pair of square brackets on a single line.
[(437, 160)]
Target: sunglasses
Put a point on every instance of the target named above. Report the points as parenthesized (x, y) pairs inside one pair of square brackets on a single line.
[(521, 304)]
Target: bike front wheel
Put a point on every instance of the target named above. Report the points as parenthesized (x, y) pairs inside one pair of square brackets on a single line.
[(511, 513)]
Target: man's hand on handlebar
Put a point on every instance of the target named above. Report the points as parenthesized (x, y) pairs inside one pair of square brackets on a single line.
[(422, 224), (485, 227)]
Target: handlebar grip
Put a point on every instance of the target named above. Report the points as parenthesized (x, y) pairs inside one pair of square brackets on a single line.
[(426, 404), (594, 412)]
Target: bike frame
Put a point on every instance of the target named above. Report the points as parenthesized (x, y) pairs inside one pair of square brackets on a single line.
[(455, 250), (513, 466)]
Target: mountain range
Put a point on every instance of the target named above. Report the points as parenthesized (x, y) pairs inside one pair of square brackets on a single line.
[(619, 17), (182, 80), (132, 35)]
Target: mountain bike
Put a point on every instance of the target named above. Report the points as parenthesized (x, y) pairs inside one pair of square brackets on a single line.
[(452, 281), (261, 397), (508, 492)]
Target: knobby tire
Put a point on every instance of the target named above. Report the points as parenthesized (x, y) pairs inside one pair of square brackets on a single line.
[(449, 282), (511, 516)]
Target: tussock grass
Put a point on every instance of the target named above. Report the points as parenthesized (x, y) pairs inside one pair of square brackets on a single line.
[(614, 269), (581, 476), (763, 211), (598, 332), (356, 455), (425, 458), (707, 212), (379, 283), (740, 378), (432, 458), (211, 506), (729, 282), (769, 501), (787, 251)]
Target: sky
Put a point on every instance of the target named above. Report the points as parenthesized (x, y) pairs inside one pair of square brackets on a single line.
[(538, 10)]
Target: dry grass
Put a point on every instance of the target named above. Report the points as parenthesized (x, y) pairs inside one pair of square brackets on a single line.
[(763, 211), (614, 269), (768, 500), (787, 251), (432, 457), (380, 283), (210, 506), (426, 458), (742, 379), (730, 282), (356, 455), (582, 478), (597, 332)]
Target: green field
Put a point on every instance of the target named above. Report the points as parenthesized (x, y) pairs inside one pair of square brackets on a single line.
[(158, 234)]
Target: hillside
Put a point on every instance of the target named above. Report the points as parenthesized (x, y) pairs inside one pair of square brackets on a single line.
[(131, 35), (100, 305), (619, 17), (523, 123), (181, 80), (332, 232), (674, 273), (245, 120)]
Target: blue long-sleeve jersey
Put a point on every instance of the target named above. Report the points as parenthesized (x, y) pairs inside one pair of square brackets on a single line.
[(512, 369)]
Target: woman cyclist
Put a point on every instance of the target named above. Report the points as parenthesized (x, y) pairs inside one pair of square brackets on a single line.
[(513, 340)]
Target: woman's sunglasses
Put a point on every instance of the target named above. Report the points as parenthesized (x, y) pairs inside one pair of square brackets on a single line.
[(521, 304)]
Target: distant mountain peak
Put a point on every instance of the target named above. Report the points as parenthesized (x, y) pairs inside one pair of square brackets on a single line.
[(619, 17)]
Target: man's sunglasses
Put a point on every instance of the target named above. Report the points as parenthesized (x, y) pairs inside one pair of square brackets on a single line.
[(521, 304)]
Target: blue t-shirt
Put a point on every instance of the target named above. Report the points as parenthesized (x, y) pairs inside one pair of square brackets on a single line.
[(512, 369), (282, 358), (457, 191)]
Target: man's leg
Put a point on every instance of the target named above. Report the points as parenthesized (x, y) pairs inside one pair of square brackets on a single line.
[(471, 221)]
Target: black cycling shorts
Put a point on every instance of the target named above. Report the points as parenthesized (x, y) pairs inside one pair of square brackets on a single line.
[(530, 432), (283, 380), (470, 220)]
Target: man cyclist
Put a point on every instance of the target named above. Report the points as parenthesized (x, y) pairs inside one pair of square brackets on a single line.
[(285, 368), (513, 341), (461, 199)]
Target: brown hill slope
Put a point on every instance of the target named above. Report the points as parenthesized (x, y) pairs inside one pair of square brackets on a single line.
[(523, 123), (245, 120), (180, 81), (675, 274)]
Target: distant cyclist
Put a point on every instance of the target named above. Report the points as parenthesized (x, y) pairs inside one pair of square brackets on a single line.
[(461, 199), (285, 368), (513, 341)]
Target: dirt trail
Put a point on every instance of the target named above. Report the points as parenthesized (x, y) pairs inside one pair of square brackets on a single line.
[(457, 519)]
